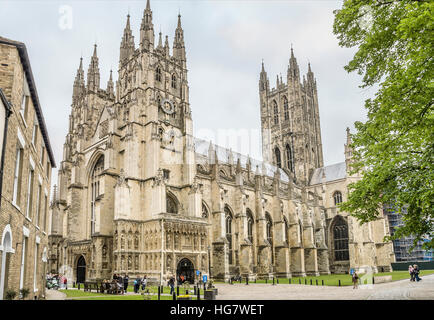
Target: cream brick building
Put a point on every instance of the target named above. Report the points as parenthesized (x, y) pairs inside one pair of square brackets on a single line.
[(138, 194), (26, 164)]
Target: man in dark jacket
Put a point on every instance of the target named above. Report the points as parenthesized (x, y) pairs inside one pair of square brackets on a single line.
[(126, 278), (137, 284)]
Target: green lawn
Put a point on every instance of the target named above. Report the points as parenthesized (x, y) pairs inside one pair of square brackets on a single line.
[(333, 279), (82, 295)]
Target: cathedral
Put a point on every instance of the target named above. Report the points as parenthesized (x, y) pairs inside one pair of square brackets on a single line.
[(138, 194)]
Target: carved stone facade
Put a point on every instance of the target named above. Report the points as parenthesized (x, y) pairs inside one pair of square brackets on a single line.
[(138, 194)]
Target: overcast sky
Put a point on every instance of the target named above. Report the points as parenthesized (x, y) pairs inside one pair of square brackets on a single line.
[(225, 43)]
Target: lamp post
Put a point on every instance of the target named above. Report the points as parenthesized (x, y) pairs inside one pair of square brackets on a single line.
[(209, 261)]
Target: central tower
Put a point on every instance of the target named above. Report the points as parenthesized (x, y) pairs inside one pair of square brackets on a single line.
[(291, 133)]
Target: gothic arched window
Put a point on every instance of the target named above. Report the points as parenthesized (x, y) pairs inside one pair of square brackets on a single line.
[(95, 189), (173, 81), (228, 229), (289, 158), (278, 157), (337, 197), (171, 206), (286, 237), (269, 231), (205, 213), (285, 108), (158, 74), (269, 228), (340, 240), (276, 112), (250, 225)]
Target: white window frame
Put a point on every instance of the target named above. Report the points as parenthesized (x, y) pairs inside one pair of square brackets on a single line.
[(29, 188), (26, 234), (35, 271), (19, 151)]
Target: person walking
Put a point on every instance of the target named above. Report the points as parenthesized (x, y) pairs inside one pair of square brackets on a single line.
[(411, 272), (144, 282), (121, 284), (137, 284), (416, 272), (355, 280), (172, 285), (126, 279)]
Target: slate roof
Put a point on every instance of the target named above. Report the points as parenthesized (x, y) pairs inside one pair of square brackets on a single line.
[(223, 154), (329, 173)]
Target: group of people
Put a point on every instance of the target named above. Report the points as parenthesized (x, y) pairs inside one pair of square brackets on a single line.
[(414, 271), (140, 282), (58, 281)]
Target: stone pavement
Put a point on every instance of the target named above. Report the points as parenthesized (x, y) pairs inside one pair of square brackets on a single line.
[(51, 294), (397, 290)]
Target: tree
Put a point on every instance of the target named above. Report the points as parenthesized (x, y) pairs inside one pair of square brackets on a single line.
[(394, 148)]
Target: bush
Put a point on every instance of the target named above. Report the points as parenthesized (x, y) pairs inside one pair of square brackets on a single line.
[(10, 294), (24, 292)]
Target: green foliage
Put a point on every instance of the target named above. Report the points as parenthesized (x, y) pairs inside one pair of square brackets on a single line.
[(10, 294), (24, 292), (394, 148)]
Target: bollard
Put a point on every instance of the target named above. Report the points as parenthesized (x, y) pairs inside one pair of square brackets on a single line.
[(299, 281), (247, 280), (241, 279), (195, 290), (277, 280), (177, 290), (339, 282), (198, 293), (322, 282), (79, 286), (255, 280), (204, 288), (159, 288), (316, 281), (230, 281), (305, 281), (310, 281), (373, 281), (174, 295), (273, 282), (266, 280)]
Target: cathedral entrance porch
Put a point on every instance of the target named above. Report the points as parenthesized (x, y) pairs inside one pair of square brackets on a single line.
[(186, 268), (81, 270)]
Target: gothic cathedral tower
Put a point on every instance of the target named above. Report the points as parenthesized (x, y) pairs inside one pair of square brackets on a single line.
[(291, 134)]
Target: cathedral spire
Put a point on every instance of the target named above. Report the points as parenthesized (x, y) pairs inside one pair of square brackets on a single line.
[(78, 88), (348, 151), (93, 76), (166, 46), (293, 69), (178, 42), (263, 81), (110, 85), (147, 27), (310, 77), (127, 43)]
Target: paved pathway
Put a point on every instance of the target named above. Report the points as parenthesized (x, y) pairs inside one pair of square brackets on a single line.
[(51, 294), (397, 290)]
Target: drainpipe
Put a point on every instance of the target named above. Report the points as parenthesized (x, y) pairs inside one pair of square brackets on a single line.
[(162, 252), (5, 133)]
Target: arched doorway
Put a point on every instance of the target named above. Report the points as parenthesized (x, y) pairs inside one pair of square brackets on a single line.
[(81, 270), (5, 260), (185, 267)]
